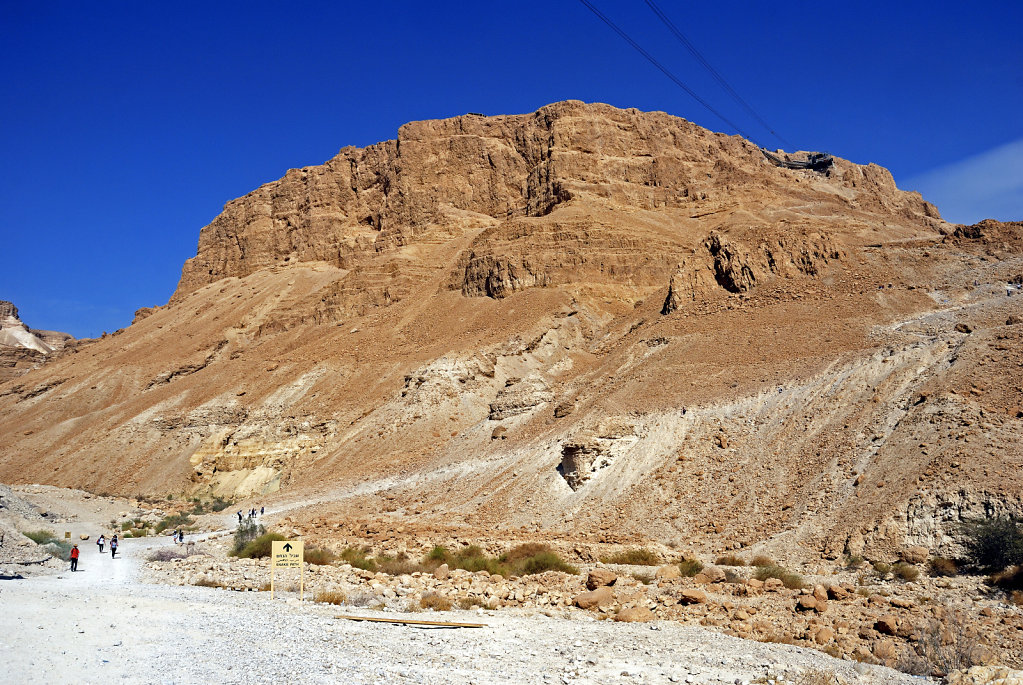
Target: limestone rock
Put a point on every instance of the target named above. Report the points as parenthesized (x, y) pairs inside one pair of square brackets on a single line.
[(600, 577), (887, 624), (635, 615), (441, 572), (914, 555), (602, 596), (690, 596), (668, 572)]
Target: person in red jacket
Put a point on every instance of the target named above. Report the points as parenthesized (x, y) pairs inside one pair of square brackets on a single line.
[(74, 558)]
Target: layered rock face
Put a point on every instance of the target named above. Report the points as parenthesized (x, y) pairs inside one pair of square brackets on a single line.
[(22, 348), (584, 320)]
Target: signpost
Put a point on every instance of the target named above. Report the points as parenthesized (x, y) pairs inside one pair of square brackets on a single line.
[(67, 534), (287, 554)]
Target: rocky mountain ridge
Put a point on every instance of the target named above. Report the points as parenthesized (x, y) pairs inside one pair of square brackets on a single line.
[(583, 321), (22, 348)]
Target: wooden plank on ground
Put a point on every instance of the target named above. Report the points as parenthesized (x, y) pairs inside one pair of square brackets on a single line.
[(411, 622)]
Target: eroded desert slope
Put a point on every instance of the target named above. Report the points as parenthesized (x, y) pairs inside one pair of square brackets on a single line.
[(586, 321)]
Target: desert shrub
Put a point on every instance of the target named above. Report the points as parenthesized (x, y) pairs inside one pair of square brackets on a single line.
[(470, 603), (645, 578), (41, 537), (943, 646), (432, 600), (319, 556), (761, 560), (400, 566), (522, 552), (905, 571), (174, 521), (854, 561), (994, 544), (361, 599), (881, 569), (357, 559), (634, 557), (689, 567), (247, 531), (1011, 579), (219, 504), (733, 577), (816, 676), (545, 561), (207, 582), (791, 580), (438, 554), (261, 547), (940, 566), (59, 549), (166, 554), (330, 597), (729, 560)]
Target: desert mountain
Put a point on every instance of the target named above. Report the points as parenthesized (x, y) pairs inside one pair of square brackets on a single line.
[(22, 348), (584, 321)]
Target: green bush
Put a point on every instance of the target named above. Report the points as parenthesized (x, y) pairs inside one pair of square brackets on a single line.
[(881, 569), (524, 559), (689, 567), (905, 571), (358, 559), (41, 537), (260, 548), (247, 531), (791, 580), (174, 521), (994, 544), (545, 561), (634, 557)]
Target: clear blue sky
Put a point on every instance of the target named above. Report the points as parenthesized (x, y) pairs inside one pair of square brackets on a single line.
[(126, 126)]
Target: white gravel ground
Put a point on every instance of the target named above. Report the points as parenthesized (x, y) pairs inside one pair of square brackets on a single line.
[(102, 625)]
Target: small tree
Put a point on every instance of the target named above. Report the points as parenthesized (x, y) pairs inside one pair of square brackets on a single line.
[(247, 531), (994, 544)]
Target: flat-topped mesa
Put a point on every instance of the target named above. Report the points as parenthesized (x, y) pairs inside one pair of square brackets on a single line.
[(444, 177)]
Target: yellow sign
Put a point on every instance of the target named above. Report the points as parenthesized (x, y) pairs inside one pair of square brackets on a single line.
[(67, 534), (286, 553)]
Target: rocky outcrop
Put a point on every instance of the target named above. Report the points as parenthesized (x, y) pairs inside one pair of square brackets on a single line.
[(22, 348)]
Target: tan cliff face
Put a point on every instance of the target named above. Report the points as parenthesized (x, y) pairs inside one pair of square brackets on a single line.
[(584, 320)]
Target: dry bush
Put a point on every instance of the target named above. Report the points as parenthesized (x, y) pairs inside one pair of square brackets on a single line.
[(208, 582), (733, 577), (319, 556), (400, 566), (905, 571), (432, 600), (729, 560), (361, 599), (689, 567), (791, 580), (761, 560), (942, 646), (1010, 580), (816, 676), (166, 554), (357, 559), (881, 569), (331, 597), (470, 603), (940, 566), (634, 557), (645, 578)]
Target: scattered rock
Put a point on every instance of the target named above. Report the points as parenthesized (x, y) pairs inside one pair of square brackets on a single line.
[(635, 615), (600, 597), (887, 624), (600, 577), (689, 596)]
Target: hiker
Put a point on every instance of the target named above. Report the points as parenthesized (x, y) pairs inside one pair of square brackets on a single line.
[(239, 517), (100, 542), (113, 546), (261, 510), (74, 558), (181, 537)]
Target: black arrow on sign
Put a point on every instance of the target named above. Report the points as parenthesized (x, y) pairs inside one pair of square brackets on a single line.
[(287, 547)]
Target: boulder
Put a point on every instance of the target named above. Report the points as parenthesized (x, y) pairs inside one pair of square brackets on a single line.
[(985, 675), (824, 636), (811, 603), (441, 572), (669, 572), (914, 555), (711, 574), (887, 624), (689, 596), (83, 536), (635, 615), (602, 596), (600, 577)]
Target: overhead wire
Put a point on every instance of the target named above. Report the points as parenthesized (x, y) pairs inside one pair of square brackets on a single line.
[(713, 72), (650, 58)]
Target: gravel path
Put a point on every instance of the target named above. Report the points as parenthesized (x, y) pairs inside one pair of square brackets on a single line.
[(102, 625)]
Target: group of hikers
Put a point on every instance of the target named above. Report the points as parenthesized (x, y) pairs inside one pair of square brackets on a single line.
[(252, 513), (101, 541)]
